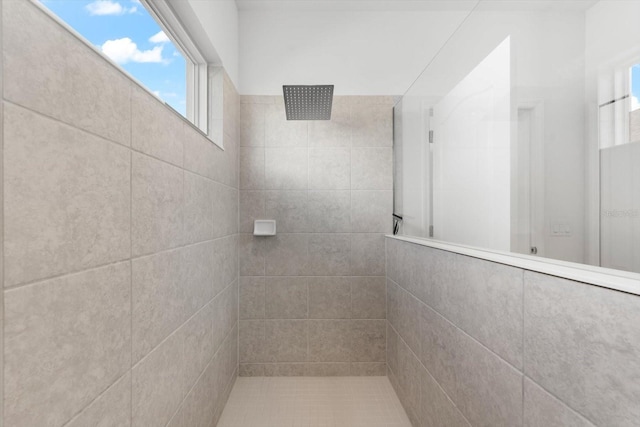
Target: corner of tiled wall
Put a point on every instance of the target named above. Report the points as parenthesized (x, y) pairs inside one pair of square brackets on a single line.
[(120, 242), (312, 298)]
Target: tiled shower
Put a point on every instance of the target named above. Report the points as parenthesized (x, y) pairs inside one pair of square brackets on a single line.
[(136, 294)]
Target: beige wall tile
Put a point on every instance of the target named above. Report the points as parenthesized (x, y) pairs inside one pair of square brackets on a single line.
[(252, 207), (582, 343), (67, 198), (369, 369), (368, 338), (371, 211), (368, 298), (66, 340), (252, 341), (225, 314), (330, 341), (371, 169), (367, 254), (252, 125), (486, 389), (157, 205), (112, 408), (329, 168), (286, 168), (329, 297), (289, 208), (409, 369), (60, 77), (286, 340), (158, 300), (225, 210), (328, 254), (327, 369), (392, 348), (286, 298), (198, 208), (225, 262), (284, 369), (252, 255), (198, 344), (280, 132), (335, 132), (436, 409), (372, 125), (543, 410), (287, 254), (202, 156), (329, 212), (199, 406), (197, 276), (252, 296), (178, 419), (251, 370), (163, 142), (252, 168), (159, 384)]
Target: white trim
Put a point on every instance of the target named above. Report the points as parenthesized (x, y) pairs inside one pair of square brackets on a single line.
[(598, 276)]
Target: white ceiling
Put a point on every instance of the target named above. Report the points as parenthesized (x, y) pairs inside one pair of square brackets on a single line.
[(330, 5)]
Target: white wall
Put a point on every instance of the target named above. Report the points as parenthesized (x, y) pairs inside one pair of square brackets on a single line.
[(218, 21), (360, 52)]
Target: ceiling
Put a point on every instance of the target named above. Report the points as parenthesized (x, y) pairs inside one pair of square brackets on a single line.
[(373, 5)]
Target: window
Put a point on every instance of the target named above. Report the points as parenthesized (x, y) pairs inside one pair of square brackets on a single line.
[(147, 40), (635, 87)]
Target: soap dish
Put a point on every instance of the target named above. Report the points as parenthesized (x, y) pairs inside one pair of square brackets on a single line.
[(264, 227)]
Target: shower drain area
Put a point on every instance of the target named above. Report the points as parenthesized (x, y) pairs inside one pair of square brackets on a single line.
[(313, 402)]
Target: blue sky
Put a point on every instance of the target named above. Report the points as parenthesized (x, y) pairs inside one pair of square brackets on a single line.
[(124, 31), (635, 87)]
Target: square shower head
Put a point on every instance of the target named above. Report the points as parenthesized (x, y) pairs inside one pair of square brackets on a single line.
[(308, 102)]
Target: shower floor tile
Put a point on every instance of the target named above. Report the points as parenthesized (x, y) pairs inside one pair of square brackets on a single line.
[(313, 402)]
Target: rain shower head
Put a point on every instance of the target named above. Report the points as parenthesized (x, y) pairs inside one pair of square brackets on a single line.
[(308, 102)]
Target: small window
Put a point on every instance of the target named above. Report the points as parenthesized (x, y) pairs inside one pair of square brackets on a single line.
[(127, 33), (635, 87)]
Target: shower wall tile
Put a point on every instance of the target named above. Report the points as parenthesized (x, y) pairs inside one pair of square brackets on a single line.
[(157, 205), (119, 301), (372, 125), (368, 298), (67, 198), (542, 409), (486, 389), (371, 169), (158, 300), (286, 340), (159, 383), (330, 341), (287, 254), (288, 209), (582, 343), (111, 408), (280, 132), (286, 168), (408, 377), (78, 327), (252, 207), (329, 168), (328, 212), (329, 297), (335, 132), (252, 297), (252, 341), (252, 121), (252, 167), (371, 211), (436, 409), (286, 298), (198, 208), (164, 143), (367, 254), (60, 77), (326, 266)]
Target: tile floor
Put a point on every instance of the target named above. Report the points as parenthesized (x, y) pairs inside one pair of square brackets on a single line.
[(313, 402)]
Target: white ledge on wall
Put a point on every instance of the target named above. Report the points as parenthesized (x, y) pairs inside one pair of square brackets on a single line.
[(604, 277)]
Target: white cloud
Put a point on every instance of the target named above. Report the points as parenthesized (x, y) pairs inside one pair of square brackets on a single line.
[(125, 50), (635, 103), (160, 37), (108, 7)]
